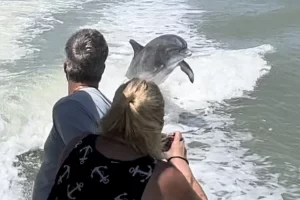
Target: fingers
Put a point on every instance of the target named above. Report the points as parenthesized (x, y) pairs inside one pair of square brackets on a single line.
[(177, 136), (172, 134)]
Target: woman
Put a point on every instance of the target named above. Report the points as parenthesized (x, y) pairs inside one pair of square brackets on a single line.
[(126, 162)]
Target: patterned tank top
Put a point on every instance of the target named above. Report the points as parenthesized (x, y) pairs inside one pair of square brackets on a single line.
[(87, 174)]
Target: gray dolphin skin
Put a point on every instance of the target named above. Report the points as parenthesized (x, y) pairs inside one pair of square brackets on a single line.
[(157, 60)]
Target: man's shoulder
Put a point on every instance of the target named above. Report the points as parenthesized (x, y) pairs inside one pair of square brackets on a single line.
[(64, 101), (89, 99), (82, 96), (70, 102)]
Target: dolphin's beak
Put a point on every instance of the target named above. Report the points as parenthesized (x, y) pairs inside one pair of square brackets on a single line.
[(186, 52)]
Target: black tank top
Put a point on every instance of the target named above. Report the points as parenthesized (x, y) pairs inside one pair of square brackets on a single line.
[(86, 174)]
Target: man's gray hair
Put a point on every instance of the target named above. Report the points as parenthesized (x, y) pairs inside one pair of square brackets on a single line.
[(86, 52)]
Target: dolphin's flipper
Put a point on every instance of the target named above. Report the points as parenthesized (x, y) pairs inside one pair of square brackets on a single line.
[(187, 69), (136, 46)]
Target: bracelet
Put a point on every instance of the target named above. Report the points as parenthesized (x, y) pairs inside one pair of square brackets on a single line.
[(178, 157)]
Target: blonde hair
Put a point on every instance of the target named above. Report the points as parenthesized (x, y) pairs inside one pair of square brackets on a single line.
[(136, 117)]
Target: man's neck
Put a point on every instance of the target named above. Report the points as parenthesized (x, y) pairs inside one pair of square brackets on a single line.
[(73, 86)]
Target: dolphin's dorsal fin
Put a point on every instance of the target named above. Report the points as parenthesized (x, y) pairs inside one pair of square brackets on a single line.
[(136, 46)]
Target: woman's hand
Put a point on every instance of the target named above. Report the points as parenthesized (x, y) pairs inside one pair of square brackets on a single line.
[(177, 147), (177, 156)]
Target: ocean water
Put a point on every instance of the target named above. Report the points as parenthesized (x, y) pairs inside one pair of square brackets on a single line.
[(239, 116)]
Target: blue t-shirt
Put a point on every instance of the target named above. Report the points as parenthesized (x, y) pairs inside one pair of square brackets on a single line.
[(73, 116)]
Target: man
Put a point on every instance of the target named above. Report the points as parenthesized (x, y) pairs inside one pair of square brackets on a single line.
[(80, 111)]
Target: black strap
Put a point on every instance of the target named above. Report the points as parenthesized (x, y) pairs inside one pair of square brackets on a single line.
[(182, 158)]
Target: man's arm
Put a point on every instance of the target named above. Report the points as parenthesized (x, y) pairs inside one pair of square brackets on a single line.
[(71, 120)]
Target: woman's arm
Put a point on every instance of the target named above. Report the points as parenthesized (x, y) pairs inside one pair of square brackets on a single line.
[(174, 185), (177, 156), (186, 171), (198, 189)]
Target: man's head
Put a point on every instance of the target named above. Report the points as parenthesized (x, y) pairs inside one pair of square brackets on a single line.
[(86, 53)]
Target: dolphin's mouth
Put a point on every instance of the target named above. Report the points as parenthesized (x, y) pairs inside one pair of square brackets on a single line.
[(186, 52)]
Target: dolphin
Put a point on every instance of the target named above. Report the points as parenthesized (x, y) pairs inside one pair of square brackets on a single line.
[(157, 60)]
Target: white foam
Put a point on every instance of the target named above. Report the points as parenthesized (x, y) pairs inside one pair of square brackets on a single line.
[(222, 164), (22, 21), (26, 108), (223, 74), (27, 126), (219, 74), (2, 126)]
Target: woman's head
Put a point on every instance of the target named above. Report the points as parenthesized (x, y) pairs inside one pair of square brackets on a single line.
[(136, 116)]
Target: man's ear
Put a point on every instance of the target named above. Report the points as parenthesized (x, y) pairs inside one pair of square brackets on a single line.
[(65, 69), (103, 68), (65, 65)]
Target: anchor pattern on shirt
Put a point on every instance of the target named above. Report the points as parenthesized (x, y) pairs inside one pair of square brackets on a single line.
[(102, 177), (70, 190), (87, 150), (75, 188), (65, 174), (122, 197), (144, 174), (78, 143)]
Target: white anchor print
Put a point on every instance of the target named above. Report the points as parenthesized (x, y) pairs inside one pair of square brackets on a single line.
[(86, 151), (79, 143), (78, 187), (103, 179), (66, 173), (136, 170), (120, 197)]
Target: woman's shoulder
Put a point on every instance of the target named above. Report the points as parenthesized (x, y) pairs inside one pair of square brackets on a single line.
[(167, 183), (166, 176), (168, 173)]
